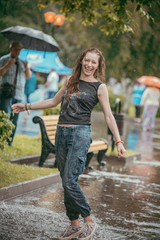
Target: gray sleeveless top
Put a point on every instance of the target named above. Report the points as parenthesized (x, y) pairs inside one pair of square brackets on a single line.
[(80, 107)]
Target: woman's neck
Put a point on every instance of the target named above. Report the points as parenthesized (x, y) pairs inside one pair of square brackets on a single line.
[(87, 78)]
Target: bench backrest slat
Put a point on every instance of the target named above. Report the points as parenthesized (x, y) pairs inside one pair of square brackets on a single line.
[(51, 133), (51, 126)]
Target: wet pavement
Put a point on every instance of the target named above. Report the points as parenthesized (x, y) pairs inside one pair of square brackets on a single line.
[(124, 196)]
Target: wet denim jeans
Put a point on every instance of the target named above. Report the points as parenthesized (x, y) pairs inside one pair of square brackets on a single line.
[(72, 144)]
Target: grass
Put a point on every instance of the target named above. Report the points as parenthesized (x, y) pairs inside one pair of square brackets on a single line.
[(13, 173), (131, 111), (22, 146)]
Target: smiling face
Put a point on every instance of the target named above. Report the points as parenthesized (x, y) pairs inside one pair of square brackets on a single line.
[(90, 63)]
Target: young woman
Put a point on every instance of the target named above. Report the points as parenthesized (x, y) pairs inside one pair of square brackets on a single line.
[(78, 96)]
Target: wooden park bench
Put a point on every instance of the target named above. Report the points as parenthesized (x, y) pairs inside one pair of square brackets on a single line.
[(48, 125)]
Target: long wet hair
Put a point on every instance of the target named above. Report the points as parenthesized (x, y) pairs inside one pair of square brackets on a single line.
[(73, 83)]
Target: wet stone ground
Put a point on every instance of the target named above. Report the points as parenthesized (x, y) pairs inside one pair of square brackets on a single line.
[(124, 197)]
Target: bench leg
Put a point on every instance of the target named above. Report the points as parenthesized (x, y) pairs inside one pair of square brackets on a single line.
[(100, 155), (43, 157), (47, 148), (55, 164), (89, 156)]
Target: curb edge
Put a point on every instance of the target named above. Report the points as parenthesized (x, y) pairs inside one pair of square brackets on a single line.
[(18, 189)]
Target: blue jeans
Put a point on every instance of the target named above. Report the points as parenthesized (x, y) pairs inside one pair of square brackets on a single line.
[(5, 105), (72, 144)]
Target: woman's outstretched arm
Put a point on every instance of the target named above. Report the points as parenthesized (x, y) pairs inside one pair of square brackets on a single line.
[(49, 103), (109, 118)]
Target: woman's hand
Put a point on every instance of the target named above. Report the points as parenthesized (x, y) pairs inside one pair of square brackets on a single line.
[(18, 107), (121, 150)]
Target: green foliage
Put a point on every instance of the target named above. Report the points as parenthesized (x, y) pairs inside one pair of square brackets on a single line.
[(131, 110), (158, 112), (51, 111), (6, 127), (128, 54), (112, 101), (111, 16), (15, 12), (40, 79)]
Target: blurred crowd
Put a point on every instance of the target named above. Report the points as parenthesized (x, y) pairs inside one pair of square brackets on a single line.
[(144, 98)]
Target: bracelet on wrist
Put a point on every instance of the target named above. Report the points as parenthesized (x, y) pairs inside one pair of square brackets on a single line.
[(26, 106), (119, 142), (29, 106)]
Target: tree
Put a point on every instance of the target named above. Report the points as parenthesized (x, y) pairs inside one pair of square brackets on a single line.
[(111, 16), (15, 12), (132, 54)]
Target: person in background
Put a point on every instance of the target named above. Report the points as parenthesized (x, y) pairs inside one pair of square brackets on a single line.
[(78, 96), (13, 70), (30, 85), (137, 93), (127, 93), (150, 103), (117, 88), (51, 84), (111, 82)]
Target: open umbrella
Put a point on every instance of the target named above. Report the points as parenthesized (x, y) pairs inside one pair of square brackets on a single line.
[(31, 38), (150, 81), (41, 62)]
